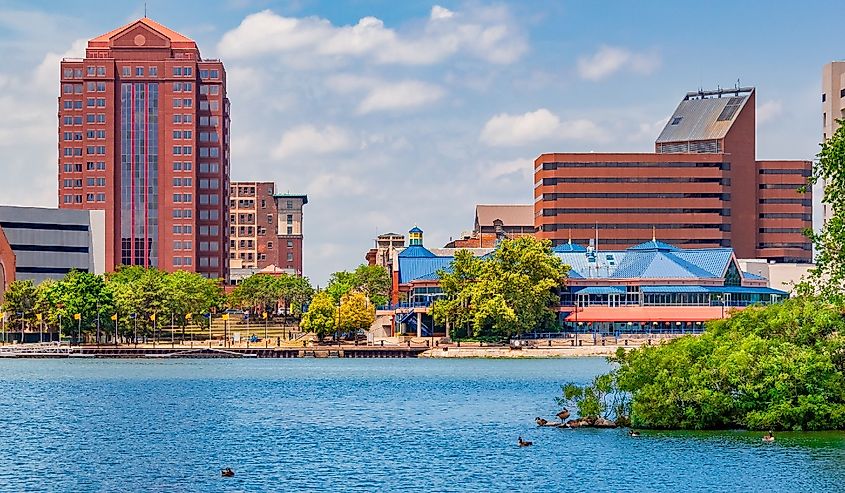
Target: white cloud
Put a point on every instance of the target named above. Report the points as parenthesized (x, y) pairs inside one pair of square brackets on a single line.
[(438, 12), (407, 94), (769, 111), (522, 167), (444, 34), (512, 130), (608, 60), (308, 139), (382, 95)]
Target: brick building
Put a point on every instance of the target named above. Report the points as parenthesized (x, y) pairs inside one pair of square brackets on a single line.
[(265, 228), (144, 136), (495, 222), (702, 188)]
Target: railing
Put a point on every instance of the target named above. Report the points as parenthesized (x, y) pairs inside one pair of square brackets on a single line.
[(405, 304)]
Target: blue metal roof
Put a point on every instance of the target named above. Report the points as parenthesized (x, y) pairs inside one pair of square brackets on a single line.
[(415, 230), (602, 290), (416, 251), (413, 268), (569, 247), (650, 260), (654, 245)]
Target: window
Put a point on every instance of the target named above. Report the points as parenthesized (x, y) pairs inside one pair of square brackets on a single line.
[(177, 118), (204, 74), (677, 120), (269, 245), (154, 71), (101, 102), (101, 87), (177, 70), (290, 204), (290, 257), (139, 71), (290, 244), (187, 71), (290, 230), (215, 74), (177, 103), (187, 103), (127, 71)]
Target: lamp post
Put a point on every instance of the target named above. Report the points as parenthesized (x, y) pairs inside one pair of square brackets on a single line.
[(98, 323), (135, 335), (264, 314)]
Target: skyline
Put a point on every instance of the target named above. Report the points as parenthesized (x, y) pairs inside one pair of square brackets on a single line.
[(472, 109)]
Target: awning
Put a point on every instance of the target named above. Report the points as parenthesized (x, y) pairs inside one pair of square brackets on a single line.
[(640, 314)]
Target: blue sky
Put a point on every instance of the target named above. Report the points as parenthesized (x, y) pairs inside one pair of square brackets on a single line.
[(390, 114)]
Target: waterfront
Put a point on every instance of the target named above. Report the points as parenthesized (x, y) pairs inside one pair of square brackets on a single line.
[(358, 425)]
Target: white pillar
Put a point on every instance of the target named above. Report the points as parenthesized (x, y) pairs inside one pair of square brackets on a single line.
[(419, 324)]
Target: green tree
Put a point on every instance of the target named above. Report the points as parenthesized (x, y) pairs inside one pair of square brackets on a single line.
[(295, 292), (258, 292), (340, 283), (374, 281), (828, 277), (321, 315), (88, 295), (512, 292), (356, 312), (20, 301)]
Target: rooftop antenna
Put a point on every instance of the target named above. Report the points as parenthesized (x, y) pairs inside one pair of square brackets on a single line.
[(654, 234), (145, 10), (737, 86), (719, 90), (570, 236)]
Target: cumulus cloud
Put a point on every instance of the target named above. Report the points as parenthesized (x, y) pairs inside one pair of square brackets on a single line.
[(769, 110), (383, 95), (308, 139), (512, 130), (609, 60), (444, 34)]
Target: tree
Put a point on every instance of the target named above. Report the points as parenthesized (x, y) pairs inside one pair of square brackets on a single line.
[(295, 292), (257, 292), (509, 293), (85, 294), (828, 277), (20, 301), (340, 283), (374, 281), (356, 312), (321, 315)]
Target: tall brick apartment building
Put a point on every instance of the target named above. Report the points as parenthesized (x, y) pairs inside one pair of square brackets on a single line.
[(266, 228), (144, 136), (703, 187)]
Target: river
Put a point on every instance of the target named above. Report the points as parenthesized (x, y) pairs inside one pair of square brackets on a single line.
[(358, 425)]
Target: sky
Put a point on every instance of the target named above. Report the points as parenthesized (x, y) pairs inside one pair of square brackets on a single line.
[(394, 114)]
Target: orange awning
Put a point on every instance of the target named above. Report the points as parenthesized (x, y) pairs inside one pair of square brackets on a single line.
[(647, 314)]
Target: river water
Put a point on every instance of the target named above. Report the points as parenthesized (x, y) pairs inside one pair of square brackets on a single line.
[(358, 425)]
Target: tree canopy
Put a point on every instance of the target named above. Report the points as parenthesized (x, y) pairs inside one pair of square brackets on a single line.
[(372, 280), (321, 315), (512, 292)]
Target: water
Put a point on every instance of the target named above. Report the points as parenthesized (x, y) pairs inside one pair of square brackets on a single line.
[(358, 425)]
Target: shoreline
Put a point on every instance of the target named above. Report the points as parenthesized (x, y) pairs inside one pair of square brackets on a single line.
[(498, 352)]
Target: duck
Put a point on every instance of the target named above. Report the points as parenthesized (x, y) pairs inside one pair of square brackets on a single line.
[(227, 472), (768, 437), (524, 443), (563, 415), (633, 433)]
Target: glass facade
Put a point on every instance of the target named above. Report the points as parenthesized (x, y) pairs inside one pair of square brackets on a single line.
[(139, 174)]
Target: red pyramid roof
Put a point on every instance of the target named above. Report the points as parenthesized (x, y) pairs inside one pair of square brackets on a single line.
[(176, 39)]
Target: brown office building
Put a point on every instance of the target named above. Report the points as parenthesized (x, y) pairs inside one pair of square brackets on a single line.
[(702, 188), (266, 229), (144, 136), (494, 222)]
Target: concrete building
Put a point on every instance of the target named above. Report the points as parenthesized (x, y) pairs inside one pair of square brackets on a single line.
[(40, 243), (387, 245), (702, 188), (833, 107), (265, 229), (144, 136), (493, 222), (780, 276)]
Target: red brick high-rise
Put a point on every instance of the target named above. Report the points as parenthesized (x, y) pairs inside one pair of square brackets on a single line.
[(703, 188), (144, 135)]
